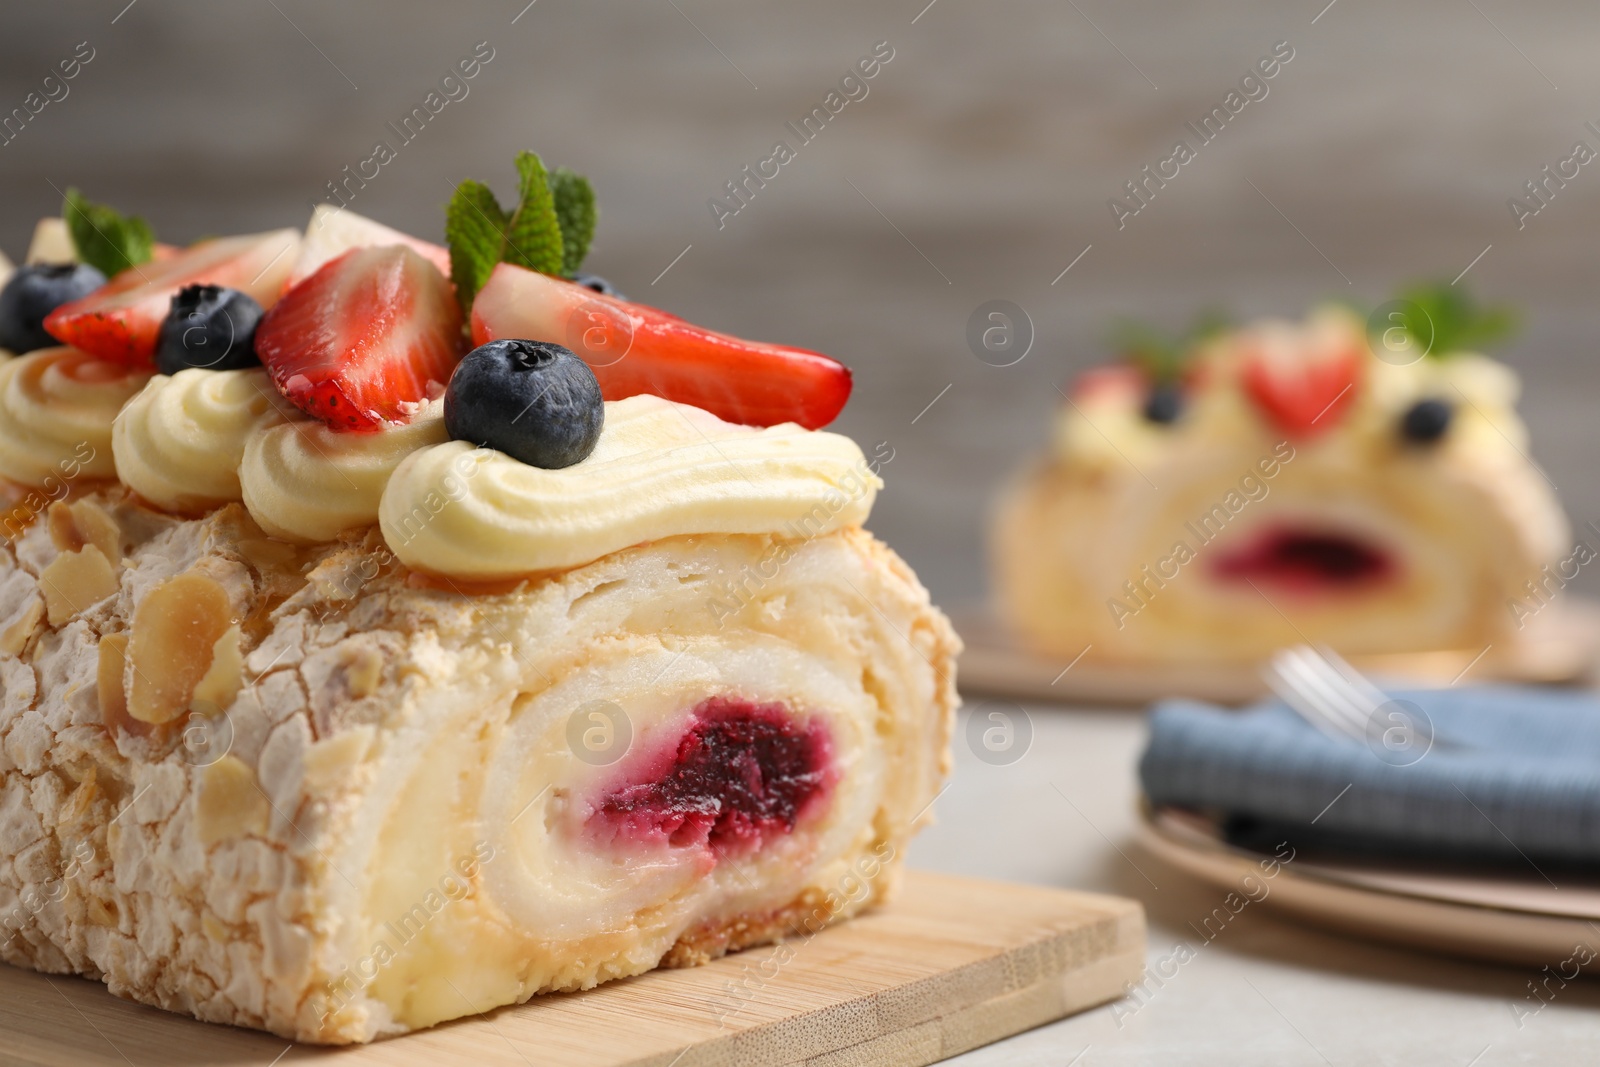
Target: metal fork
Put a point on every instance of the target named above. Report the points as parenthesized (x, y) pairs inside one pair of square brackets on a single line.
[(1325, 690)]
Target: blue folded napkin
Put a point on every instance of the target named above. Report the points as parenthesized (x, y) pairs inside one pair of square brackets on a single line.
[(1512, 772)]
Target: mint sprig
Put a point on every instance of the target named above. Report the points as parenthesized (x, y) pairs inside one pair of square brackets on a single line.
[(104, 238), (548, 231), (534, 238), (475, 228), (1451, 321), (1161, 356), (575, 211)]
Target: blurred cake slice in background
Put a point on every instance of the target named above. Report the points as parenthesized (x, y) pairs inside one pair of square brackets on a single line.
[(1284, 483)]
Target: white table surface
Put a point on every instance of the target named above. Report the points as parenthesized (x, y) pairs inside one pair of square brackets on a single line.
[(1265, 991)]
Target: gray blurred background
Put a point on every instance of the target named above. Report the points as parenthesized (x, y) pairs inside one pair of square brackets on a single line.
[(977, 167)]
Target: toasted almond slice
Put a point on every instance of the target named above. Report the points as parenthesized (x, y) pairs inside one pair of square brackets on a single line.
[(83, 522), (108, 679), (73, 582), (175, 630), (363, 670), (63, 534), (214, 693), (14, 638), (332, 762), (229, 804)]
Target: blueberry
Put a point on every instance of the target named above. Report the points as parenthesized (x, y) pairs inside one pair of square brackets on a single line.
[(32, 293), (598, 284), (209, 327), (532, 400), (1425, 421), (1164, 404)]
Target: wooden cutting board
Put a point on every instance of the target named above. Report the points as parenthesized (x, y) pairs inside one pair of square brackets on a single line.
[(951, 964)]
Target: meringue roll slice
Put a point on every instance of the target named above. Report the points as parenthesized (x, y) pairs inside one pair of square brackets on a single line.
[(1291, 488), (306, 789), (389, 682)]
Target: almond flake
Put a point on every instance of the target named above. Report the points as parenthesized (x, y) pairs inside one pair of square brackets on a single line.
[(76, 581), (229, 803), (176, 629)]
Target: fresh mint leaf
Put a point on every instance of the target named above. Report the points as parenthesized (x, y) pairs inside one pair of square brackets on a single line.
[(105, 239), (1211, 322), (475, 230), (481, 233), (534, 239), (1458, 323), (575, 210), (549, 231), (1163, 357)]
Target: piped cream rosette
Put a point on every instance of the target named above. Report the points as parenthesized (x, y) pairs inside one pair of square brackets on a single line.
[(56, 409), (201, 438), (179, 443), (304, 482), (659, 470)]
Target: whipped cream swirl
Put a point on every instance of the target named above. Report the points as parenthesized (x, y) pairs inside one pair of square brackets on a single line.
[(56, 407), (304, 482), (200, 438), (179, 443), (660, 470)]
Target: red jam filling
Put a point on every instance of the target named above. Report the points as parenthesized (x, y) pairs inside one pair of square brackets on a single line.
[(739, 775), (1304, 561)]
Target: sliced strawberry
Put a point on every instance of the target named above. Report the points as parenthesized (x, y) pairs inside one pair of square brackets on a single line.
[(358, 342), (119, 321), (333, 231), (1303, 389), (637, 349)]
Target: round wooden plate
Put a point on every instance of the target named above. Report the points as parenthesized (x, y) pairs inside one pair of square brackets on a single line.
[(1504, 918), (1560, 645)]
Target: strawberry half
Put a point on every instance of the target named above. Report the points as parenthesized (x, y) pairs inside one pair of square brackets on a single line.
[(358, 342), (120, 320), (333, 230), (635, 349), (1303, 390)]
